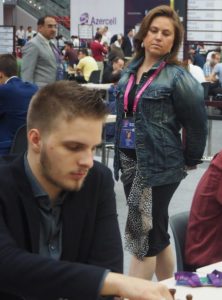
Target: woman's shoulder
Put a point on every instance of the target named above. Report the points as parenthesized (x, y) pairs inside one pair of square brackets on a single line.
[(176, 67), (177, 71)]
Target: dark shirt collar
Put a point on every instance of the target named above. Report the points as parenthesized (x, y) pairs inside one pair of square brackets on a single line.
[(38, 191)]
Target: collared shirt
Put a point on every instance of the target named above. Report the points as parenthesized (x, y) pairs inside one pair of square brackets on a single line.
[(10, 78), (208, 69), (50, 242)]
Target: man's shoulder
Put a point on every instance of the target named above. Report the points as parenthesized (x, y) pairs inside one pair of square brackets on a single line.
[(99, 169), (35, 42), (99, 176), (18, 83), (6, 163)]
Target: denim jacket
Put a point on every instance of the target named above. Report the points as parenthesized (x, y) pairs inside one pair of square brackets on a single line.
[(174, 100)]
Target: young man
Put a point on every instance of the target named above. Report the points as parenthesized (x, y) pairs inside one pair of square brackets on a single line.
[(59, 235), (15, 96)]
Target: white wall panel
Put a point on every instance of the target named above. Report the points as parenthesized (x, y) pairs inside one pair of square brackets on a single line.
[(98, 13)]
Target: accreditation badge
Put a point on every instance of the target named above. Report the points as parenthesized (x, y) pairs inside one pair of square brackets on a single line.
[(127, 134)]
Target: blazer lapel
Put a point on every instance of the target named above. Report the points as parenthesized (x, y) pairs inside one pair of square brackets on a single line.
[(32, 215), (47, 49), (30, 205)]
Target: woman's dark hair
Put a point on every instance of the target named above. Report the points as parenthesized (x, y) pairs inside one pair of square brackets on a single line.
[(160, 11)]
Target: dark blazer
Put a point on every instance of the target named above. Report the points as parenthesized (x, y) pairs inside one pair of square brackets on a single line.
[(15, 96), (127, 46), (90, 237)]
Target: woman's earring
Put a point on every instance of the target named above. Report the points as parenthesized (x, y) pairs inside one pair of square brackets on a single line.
[(142, 45)]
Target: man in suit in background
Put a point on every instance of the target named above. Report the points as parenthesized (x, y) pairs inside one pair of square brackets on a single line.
[(41, 60), (127, 44), (59, 234), (15, 96)]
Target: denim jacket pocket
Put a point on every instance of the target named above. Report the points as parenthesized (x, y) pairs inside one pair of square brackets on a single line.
[(157, 105)]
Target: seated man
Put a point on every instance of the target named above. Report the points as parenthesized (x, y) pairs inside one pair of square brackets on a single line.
[(86, 65), (59, 235), (15, 96), (216, 77), (210, 64), (203, 240), (113, 71), (70, 54)]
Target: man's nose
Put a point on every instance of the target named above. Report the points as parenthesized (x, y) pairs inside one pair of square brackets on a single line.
[(86, 159)]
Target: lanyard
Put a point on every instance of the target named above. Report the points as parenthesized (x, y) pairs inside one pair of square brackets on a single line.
[(147, 83)]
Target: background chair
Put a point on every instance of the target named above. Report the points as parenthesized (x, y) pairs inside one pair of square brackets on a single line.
[(178, 224), (95, 76), (206, 86), (19, 144)]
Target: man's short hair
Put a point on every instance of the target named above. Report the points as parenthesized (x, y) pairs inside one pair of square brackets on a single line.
[(98, 36), (84, 51), (69, 43), (41, 21), (65, 99), (8, 65)]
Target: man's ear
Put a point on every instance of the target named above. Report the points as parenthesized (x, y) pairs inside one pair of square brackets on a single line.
[(34, 140)]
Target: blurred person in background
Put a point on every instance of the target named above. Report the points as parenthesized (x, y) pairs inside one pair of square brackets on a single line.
[(42, 60), (85, 67), (99, 51), (113, 70), (127, 44), (115, 49), (30, 33), (20, 35), (205, 219), (70, 54), (209, 65), (196, 71), (15, 96)]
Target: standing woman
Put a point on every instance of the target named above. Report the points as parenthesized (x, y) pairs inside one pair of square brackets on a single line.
[(157, 97)]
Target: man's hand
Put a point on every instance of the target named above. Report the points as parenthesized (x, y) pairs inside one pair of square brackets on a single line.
[(133, 288)]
